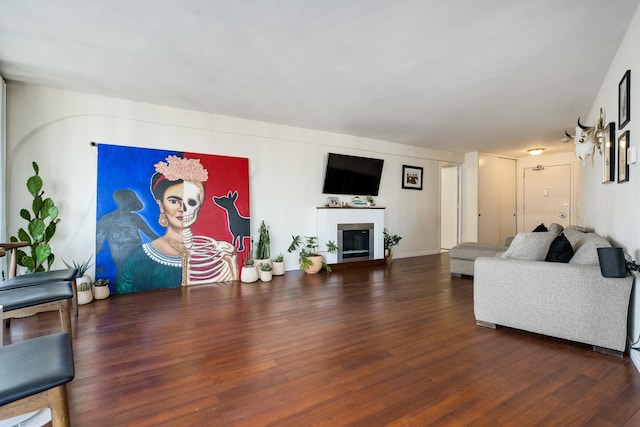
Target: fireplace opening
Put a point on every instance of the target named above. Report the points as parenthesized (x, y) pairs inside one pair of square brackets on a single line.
[(355, 242)]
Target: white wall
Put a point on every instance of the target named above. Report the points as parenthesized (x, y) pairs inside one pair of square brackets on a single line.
[(286, 165), (612, 209)]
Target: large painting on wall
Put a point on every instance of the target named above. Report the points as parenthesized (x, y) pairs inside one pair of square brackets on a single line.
[(168, 218)]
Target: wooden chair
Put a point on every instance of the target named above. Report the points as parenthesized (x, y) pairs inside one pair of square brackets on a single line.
[(31, 279), (34, 375), (33, 299), (37, 292)]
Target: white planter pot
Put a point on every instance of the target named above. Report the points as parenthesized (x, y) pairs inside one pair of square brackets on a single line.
[(100, 292), (84, 279), (266, 276), (248, 274), (85, 297), (277, 268)]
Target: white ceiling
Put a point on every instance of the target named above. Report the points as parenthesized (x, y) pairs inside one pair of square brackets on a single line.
[(495, 76)]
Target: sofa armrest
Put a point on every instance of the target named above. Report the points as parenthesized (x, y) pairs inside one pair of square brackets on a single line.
[(567, 301)]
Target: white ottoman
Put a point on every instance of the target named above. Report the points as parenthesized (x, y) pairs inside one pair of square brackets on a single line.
[(462, 256)]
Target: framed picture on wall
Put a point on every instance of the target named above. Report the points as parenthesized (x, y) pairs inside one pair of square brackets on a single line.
[(624, 100), (623, 167), (412, 177), (609, 153)]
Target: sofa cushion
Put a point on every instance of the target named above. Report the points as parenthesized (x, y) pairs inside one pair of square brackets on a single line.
[(530, 246), (560, 250), (473, 250), (585, 250), (555, 228), (573, 234)]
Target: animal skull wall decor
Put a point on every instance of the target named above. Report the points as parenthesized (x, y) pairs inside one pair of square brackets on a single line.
[(587, 138)]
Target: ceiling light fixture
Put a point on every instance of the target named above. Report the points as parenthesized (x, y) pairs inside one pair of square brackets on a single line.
[(535, 151)]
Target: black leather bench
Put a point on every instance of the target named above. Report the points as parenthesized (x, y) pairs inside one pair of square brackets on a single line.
[(35, 279), (34, 375), (27, 300)]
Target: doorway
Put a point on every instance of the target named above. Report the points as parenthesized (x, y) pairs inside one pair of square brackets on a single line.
[(449, 206), (547, 196)]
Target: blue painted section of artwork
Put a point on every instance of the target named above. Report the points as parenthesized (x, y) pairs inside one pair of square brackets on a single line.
[(126, 210)]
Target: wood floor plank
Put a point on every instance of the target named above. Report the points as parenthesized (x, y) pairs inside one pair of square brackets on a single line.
[(384, 345)]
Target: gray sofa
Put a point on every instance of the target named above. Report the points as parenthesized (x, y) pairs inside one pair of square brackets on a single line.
[(564, 300)]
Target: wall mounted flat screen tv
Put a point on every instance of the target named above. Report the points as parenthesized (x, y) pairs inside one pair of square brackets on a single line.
[(352, 175)]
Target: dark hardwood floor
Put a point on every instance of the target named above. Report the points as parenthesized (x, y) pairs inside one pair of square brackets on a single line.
[(367, 346)]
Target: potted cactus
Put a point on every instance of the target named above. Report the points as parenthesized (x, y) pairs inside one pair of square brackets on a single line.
[(249, 273), (263, 251), (41, 228), (82, 267), (85, 296), (277, 265), (265, 272), (100, 289)]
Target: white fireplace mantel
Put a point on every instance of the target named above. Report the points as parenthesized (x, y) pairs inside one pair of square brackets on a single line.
[(329, 218)]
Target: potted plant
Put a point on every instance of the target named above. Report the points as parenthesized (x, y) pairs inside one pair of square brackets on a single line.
[(249, 273), (42, 226), (85, 296), (100, 289), (310, 260), (82, 267), (265, 272), (390, 240), (263, 251), (277, 265)]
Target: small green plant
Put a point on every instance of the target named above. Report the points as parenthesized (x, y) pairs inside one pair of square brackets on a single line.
[(248, 257), (390, 240), (41, 228), (101, 282), (264, 266), (279, 258), (81, 267), (84, 286), (263, 251), (309, 248)]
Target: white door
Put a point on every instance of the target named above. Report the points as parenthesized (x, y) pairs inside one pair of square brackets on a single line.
[(547, 196), (449, 202)]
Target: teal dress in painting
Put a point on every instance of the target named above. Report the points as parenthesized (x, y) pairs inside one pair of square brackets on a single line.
[(147, 268)]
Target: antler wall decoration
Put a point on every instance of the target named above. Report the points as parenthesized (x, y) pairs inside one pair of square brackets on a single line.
[(587, 138)]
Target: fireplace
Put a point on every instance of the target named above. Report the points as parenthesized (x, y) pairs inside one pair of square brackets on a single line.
[(355, 242), (334, 221)]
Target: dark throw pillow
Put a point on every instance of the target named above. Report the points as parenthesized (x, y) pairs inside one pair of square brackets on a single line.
[(560, 250), (540, 228)]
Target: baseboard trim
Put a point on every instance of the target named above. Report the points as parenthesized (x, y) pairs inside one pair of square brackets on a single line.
[(635, 358)]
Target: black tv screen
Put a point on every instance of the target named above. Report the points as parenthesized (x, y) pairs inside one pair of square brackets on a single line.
[(352, 175)]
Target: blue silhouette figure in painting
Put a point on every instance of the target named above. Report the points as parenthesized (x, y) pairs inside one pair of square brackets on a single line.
[(121, 228)]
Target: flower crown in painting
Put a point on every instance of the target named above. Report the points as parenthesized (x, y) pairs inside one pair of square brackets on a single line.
[(186, 169)]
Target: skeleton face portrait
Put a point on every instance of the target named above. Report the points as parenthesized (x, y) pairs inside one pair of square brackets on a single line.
[(193, 195)]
